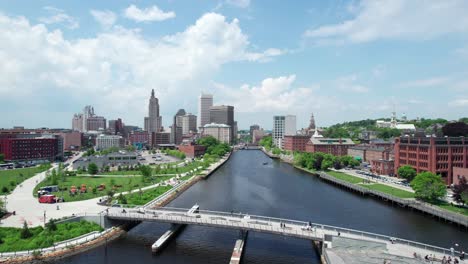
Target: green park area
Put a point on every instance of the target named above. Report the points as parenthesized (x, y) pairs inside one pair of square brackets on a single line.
[(17, 239), (373, 186), (9, 179), (96, 186), (163, 169), (143, 197)]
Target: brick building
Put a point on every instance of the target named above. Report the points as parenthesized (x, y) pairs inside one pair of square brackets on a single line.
[(71, 140), (369, 153), (459, 173), (383, 167), (435, 154), (28, 147), (139, 138), (295, 142), (192, 150), (334, 146)]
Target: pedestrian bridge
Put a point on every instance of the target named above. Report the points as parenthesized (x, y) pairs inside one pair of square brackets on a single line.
[(285, 227)]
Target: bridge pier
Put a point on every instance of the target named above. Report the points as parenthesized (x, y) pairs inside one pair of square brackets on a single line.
[(173, 231), (162, 241), (238, 248)]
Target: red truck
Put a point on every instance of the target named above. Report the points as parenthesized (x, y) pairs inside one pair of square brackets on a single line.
[(48, 198)]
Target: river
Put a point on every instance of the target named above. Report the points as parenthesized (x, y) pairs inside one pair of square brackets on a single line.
[(277, 189)]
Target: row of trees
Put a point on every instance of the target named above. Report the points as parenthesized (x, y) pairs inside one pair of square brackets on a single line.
[(322, 161), (175, 153)]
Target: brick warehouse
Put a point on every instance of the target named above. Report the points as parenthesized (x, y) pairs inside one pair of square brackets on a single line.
[(17, 147), (435, 154), (295, 143)]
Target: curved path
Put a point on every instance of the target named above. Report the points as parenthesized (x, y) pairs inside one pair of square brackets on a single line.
[(28, 208)]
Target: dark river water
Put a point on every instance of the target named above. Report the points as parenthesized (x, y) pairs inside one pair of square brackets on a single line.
[(279, 190)]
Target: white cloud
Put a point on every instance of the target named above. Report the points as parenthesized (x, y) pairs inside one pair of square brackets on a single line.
[(105, 17), (277, 95), (396, 19), (119, 65), (350, 83), (152, 13), (459, 102), (58, 16), (430, 82), (239, 3)]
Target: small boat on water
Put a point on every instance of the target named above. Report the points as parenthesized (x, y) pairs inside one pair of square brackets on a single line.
[(265, 163)]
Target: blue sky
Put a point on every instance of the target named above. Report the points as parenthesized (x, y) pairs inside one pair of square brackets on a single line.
[(341, 60)]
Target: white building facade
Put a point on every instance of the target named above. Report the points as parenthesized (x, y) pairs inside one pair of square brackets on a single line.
[(221, 132), (108, 141)]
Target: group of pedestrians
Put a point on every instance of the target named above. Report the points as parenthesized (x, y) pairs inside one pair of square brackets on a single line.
[(282, 225), (449, 260)]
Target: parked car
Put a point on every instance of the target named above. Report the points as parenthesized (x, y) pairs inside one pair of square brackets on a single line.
[(47, 198)]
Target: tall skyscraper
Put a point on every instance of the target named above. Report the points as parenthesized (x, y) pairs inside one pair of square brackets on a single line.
[(204, 104), (176, 128), (223, 114), (153, 121)]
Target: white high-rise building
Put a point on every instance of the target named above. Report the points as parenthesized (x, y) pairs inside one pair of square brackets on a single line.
[(283, 125), (290, 125), (278, 130), (204, 104)]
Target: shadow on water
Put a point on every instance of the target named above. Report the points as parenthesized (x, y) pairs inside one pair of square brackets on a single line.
[(276, 189)]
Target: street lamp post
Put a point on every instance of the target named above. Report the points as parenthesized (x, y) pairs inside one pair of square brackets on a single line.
[(44, 218)]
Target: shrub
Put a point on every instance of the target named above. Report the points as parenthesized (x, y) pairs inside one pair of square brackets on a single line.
[(25, 232)]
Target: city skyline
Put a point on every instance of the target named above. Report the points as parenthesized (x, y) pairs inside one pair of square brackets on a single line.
[(328, 60)]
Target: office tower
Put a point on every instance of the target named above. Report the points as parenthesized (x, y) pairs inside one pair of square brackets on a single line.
[(204, 104), (223, 114)]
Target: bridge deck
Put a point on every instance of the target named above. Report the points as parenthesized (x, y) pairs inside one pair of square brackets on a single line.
[(284, 227)]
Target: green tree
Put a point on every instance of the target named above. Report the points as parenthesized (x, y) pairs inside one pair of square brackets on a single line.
[(276, 151), (458, 191), (266, 142), (51, 226), (407, 172), (2, 157), (25, 232), (93, 168), (147, 172), (122, 199), (428, 186)]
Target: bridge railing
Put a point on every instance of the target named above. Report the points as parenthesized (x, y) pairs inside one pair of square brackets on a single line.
[(329, 228)]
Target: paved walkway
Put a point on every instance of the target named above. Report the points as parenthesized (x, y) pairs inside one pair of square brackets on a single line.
[(28, 208)]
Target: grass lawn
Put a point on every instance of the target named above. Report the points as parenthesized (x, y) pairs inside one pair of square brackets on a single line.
[(161, 170), (147, 195), (123, 172), (453, 208), (345, 177), (9, 179), (43, 238), (389, 190), (121, 184)]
